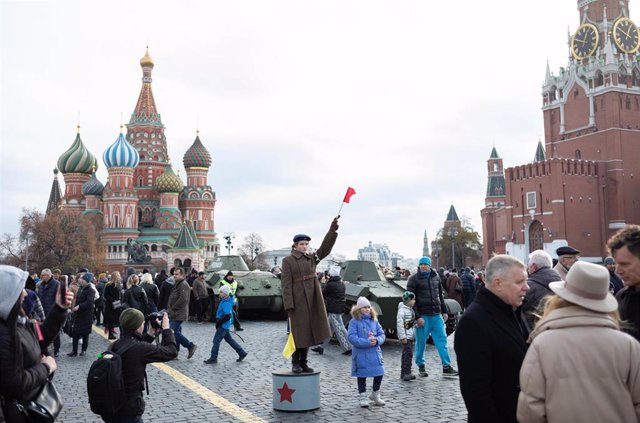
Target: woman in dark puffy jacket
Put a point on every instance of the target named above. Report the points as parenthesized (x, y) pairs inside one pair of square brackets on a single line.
[(152, 291), (112, 309), (23, 367), (135, 296), (83, 315)]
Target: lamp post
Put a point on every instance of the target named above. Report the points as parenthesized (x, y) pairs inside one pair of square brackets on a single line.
[(453, 232), (275, 261), (229, 236), (436, 252), (256, 251)]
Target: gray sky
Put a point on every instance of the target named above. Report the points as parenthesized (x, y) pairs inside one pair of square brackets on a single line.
[(295, 100)]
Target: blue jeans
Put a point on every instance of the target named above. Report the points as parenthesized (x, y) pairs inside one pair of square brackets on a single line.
[(217, 339), (176, 327), (123, 419), (433, 325)]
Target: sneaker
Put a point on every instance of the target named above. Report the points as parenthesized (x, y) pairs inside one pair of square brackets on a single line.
[(192, 350), (318, 350), (210, 361), (72, 354), (422, 371), (242, 356), (347, 352), (449, 371), (364, 401)]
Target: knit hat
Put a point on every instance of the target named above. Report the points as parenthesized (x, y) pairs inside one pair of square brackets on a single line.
[(609, 260), (131, 319), (425, 260), (363, 302), (587, 285), (12, 282), (130, 271), (29, 302), (229, 273), (408, 296), (334, 271), (225, 289), (88, 277)]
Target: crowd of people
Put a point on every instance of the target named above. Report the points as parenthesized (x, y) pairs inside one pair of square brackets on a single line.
[(541, 341)]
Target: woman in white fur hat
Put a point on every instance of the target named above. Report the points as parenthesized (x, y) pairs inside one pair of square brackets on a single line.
[(580, 367)]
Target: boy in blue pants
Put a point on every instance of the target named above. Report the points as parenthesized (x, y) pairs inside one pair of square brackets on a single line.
[(224, 320)]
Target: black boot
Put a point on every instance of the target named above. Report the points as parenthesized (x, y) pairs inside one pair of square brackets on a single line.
[(303, 360), (295, 362)]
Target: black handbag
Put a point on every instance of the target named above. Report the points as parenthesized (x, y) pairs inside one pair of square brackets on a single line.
[(68, 324), (46, 406)]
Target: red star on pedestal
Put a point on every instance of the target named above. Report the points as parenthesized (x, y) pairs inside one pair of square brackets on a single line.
[(286, 393)]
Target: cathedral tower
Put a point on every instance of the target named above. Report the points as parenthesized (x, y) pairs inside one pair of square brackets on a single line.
[(76, 165)]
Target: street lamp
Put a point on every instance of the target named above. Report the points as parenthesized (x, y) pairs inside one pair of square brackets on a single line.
[(229, 236), (453, 232), (436, 252), (275, 261), (256, 251)]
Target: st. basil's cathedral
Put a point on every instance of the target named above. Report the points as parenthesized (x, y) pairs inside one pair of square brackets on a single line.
[(583, 185), (144, 203)]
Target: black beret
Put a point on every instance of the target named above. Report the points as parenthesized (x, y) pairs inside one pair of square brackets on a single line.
[(563, 251), (301, 237)]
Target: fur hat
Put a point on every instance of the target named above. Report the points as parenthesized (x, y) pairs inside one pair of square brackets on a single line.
[(225, 289), (408, 296), (334, 271), (425, 260), (362, 302), (131, 319), (12, 282), (587, 285)]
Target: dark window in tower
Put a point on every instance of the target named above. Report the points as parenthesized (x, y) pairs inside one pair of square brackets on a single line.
[(576, 93), (116, 220), (578, 155), (628, 103), (140, 181)]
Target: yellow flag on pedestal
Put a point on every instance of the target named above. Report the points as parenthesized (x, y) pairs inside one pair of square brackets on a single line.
[(289, 347)]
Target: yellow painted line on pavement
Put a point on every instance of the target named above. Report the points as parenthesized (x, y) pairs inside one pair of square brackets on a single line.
[(218, 401)]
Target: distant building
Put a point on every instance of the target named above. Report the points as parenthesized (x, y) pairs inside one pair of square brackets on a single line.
[(583, 184), (377, 253)]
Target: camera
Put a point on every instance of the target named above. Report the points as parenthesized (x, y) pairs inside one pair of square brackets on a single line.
[(155, 319)]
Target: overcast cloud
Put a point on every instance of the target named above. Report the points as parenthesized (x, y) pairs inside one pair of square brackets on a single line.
[(295, 100)]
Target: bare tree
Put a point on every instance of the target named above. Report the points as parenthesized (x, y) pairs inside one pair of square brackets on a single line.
[(251, 250), (11, 252)]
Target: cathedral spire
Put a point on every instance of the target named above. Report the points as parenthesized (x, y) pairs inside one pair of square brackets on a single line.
[(425, 245), (540, 155), (55, 197), (145, 111)]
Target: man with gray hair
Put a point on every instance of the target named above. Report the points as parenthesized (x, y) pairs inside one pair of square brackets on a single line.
[(491, 342), (540, 275), (46, 290)]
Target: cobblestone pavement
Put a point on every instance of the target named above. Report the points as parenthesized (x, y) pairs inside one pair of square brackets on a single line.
[(189, 390)]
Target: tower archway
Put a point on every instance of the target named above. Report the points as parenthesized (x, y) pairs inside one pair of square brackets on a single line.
[(536, 236)]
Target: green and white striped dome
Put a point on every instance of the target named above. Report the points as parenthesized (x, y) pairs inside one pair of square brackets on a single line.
[(77, 159)]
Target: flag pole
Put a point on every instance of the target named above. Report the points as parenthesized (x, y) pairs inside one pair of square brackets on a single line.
[(340, 208)]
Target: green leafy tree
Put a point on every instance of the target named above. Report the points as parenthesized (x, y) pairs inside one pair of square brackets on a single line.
[(466, 244)]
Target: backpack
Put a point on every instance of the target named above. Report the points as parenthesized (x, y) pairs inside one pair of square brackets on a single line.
[(105, 384)]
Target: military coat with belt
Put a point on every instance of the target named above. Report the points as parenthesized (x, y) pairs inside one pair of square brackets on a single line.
[(302, 294)]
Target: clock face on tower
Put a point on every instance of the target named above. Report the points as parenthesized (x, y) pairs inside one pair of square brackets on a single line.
[(585, 41), (625, 35)]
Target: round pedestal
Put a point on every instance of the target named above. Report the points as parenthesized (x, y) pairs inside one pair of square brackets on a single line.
[(296, 391)]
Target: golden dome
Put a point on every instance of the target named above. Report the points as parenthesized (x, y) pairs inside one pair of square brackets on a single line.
[(146, 59)]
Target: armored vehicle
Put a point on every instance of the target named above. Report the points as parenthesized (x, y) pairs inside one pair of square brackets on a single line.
[(257, 290), (366, 279)]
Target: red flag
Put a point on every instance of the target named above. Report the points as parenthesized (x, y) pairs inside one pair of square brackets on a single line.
[(347, 196)]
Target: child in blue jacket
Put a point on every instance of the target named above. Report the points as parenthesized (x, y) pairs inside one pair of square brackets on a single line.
[(366, 335), (224, 319)]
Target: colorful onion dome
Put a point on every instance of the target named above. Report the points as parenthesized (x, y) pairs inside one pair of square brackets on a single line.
[(77, 159), (169, 181), (146, 59), (121, 154), (197, 155), (93, 186)]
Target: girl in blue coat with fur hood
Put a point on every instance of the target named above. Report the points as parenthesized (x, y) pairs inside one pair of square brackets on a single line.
[(366, 335)]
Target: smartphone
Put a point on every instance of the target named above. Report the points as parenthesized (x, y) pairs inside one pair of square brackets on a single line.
[(63, 291)]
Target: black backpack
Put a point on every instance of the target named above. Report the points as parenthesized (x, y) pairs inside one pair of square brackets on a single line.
[(105, 384)]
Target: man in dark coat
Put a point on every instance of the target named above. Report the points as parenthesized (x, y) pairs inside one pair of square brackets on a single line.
[(136, 358), (302, 296), (540, 275), (46, 290), (566, 257), (491, 342), (333, 292), (178, 310), (468, 286), (83, 314), (615, 283), (625, 249)]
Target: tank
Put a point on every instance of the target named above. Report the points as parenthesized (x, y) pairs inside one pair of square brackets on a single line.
[(366, 279), (257, 290)]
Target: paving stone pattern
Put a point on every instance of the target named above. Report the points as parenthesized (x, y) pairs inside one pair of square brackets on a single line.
[(248, 384)]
